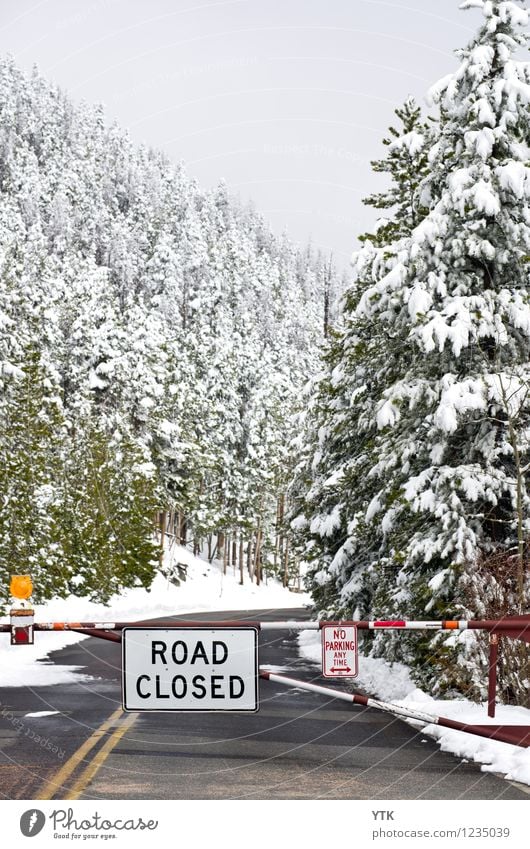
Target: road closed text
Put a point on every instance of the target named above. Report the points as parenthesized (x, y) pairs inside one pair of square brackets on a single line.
[(190, 669), (180, 652)]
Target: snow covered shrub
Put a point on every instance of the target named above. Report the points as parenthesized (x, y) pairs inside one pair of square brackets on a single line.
[(491, 589)]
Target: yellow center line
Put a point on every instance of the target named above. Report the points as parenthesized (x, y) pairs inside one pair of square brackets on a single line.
[(56, 783), (100, 757)]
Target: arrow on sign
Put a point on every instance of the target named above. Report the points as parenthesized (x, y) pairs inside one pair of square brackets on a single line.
[(339, 651)]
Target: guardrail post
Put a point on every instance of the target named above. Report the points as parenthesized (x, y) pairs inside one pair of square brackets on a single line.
[(492, 672)]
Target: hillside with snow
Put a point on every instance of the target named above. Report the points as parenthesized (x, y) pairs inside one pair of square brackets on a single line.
[(205, 588), (155, 339)]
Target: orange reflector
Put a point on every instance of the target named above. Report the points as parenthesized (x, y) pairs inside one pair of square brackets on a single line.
[(21, 586), (450, 624)]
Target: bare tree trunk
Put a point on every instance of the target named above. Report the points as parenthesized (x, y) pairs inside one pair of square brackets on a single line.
[(286, 564), (257, 554), (214, 551), (226, 550), (234, 552), (210, 547), (280, 512), (249, 560), (220, 545), (241, 559), (162, 526)]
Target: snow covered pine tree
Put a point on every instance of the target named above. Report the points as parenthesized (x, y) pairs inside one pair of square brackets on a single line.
[(436, 363), (332, 484), (341, 422), (162, 335)]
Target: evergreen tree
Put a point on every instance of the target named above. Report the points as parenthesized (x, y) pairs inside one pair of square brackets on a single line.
[(406, 165), (443, 427), (108, 499), (31, 452), (333, 484)]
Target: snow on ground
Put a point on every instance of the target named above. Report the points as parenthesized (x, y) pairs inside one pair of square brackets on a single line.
[(206, 588), (392, 682)]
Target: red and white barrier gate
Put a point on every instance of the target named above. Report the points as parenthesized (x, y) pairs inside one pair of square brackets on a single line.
[(518, 735), (22, 628)]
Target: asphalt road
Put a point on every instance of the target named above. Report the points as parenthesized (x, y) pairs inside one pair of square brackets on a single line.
[(299, 745)]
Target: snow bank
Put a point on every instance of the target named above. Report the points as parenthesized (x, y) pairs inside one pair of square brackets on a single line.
[(25, 666), (392, 682), (206, 588)]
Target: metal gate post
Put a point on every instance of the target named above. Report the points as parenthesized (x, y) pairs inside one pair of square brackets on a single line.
[(492, 672)]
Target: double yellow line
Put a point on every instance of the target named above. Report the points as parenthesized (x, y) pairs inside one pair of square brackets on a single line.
[(120, 722)]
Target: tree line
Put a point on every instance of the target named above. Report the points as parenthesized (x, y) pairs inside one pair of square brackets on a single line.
[(155, 342)]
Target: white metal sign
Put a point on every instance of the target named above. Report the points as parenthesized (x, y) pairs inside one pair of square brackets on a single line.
[(339, 651), (190, 669)]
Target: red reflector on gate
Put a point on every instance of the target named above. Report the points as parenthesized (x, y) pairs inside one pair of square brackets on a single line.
[(21, 637), (390, 623)]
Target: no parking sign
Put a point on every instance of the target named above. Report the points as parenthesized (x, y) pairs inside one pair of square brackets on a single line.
[(339, 651)]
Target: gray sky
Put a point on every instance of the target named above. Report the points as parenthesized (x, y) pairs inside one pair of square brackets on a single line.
[(288, 100)]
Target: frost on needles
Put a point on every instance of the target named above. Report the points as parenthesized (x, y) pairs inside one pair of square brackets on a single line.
[(418, 484)]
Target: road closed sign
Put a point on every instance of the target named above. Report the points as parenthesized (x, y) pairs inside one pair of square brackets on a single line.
[(190, 669), (339, 651)]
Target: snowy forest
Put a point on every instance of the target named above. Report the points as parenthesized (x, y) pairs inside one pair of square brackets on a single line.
[(168, 363), (155, 342)]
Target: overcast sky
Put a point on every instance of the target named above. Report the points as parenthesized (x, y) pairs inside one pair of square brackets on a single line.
[(287, 100)]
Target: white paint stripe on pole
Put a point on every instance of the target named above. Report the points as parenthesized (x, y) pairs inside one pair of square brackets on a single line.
[(291, 625), (313, 688), (415, 625), (388, 707), (410, 713)]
